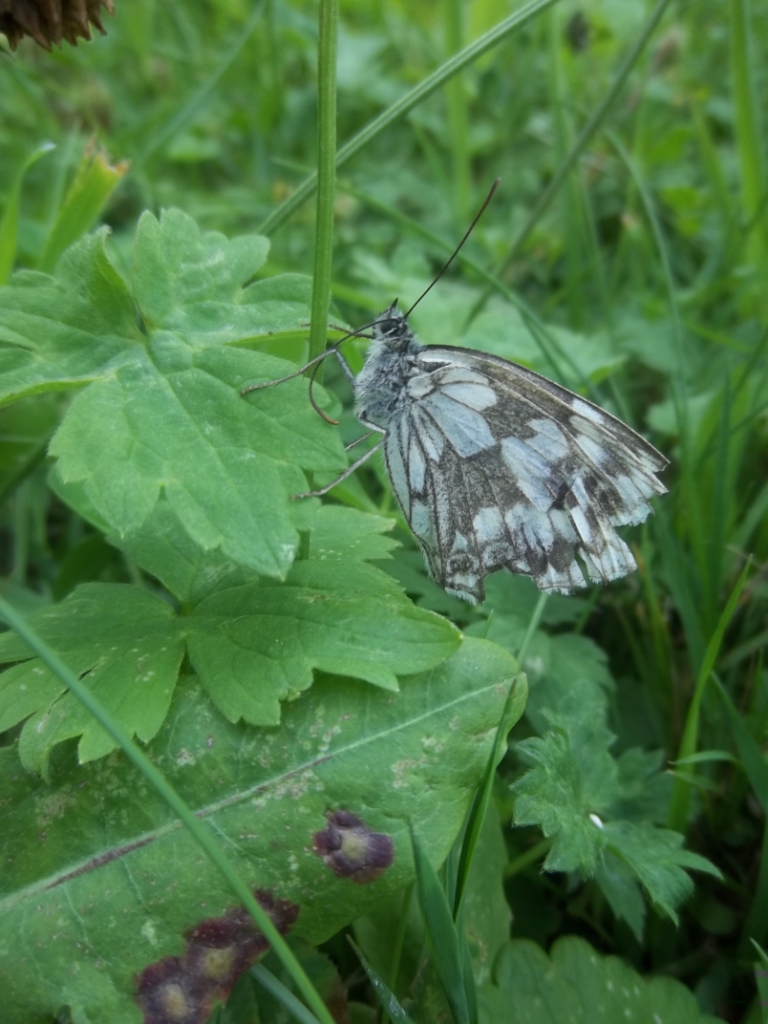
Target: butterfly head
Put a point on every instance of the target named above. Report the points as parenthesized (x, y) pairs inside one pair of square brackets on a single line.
[(391, 331)]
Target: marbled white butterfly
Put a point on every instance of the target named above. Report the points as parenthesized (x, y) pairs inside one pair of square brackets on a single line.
[(496, 467)]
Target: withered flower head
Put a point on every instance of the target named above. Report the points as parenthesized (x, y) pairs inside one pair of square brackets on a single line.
[(50, 21)]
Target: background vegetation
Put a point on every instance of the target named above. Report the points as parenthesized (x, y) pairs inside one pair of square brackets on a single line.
[(625, 254)]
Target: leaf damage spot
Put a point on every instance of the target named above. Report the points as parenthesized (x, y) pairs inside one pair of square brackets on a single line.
[(183, 989), (352, 850)]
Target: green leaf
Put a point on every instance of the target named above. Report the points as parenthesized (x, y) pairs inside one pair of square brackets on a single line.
[(62, 332), (622, 892), (186, 279), (174, 421), (257, 644), (657, 859), (129, 643), (253, 643), (574, 777), (581, 796), (577, 985), (163, 402), (103, 857)]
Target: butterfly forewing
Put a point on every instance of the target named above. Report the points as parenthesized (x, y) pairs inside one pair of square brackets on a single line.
[(497, 467)]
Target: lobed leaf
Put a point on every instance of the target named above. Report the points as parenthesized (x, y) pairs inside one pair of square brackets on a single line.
[(254, 642), (583, 798), (160, 365), (575, 984)]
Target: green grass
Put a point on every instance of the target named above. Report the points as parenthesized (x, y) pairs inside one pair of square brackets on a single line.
[(624, 254)]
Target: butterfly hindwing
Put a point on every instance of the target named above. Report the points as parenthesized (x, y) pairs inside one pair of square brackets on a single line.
[(496, 467)]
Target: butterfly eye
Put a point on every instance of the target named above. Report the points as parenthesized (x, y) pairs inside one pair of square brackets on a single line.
[(390, 327)]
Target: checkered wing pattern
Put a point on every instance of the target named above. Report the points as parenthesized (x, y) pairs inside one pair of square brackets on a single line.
[(497, 467)]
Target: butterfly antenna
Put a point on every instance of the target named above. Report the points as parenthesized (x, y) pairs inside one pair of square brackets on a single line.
[(457, 250)]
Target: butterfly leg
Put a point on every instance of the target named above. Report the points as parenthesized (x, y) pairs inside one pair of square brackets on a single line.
[(363, 437), (347, 472), (296, 373)]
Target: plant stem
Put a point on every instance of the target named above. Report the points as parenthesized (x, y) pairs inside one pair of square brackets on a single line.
[(326, 176), (749, 136), (457, 112)]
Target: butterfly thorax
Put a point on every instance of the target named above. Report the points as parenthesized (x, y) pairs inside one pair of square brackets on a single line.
[(380, 387)]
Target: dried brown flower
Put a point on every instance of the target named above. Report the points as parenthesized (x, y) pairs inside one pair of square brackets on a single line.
[(50, 21)]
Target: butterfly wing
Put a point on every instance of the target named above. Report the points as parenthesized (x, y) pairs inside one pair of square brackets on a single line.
[(497, 467)]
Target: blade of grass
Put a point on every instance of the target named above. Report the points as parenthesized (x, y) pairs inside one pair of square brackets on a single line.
[(679, 577), (678, 391), (442, 935), (399, 943), (749, 136), (660, 678), (326, 170), (9, 225), (756, 770), (573, 239), (680, 802), (387, 998), (406, 103), (458, 119), (479, 807), (160, 784), (283, 995), (93, 184), (752, 758), (722, 492)]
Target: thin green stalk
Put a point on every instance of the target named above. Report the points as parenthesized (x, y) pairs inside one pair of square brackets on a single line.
[(458, 119), (514, 867), (575, 294), (749, 136), (661, 677), (482, 798), (160, 784), (681, 795), (477, 812), (589, 129), (533, 625), (326, 191), (283, 995), (406, 103), (397, 947), (326, 176)]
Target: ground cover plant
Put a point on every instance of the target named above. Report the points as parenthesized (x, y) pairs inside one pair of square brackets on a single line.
[(240, 717)]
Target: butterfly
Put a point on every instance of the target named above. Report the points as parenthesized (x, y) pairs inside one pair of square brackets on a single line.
[(496, 467)]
